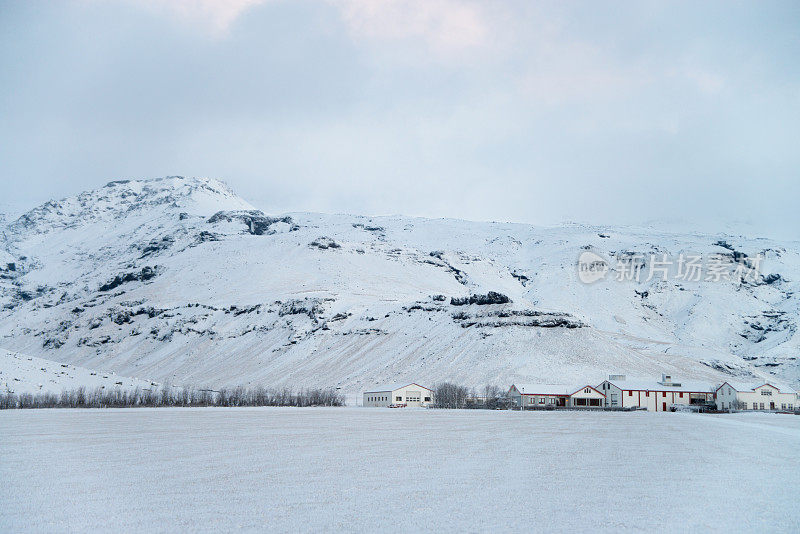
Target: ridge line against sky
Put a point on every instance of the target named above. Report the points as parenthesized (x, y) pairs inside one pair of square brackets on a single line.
[(608, 113)]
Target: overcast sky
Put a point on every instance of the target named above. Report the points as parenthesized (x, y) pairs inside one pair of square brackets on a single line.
[(601, 112)]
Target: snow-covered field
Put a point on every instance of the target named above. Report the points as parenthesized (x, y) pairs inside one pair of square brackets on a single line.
[(355, 469)]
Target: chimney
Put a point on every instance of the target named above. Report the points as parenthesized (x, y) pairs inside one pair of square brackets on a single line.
[(666, 380)]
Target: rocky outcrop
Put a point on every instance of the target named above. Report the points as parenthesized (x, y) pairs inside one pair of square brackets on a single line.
[(147, 273), (492, 297), (310, 307), (525, 318), (324, 243), (256, 223)]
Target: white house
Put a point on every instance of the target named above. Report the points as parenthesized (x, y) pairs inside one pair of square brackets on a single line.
[(407, 394), (737, 396), (555, 396), (654, 396)]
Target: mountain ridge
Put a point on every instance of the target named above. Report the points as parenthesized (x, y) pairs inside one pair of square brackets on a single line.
[(179, 280)]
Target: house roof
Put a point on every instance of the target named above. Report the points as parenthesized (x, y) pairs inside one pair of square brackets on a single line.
[(549, 389), (393, 387), (744, 386), (652, 385)]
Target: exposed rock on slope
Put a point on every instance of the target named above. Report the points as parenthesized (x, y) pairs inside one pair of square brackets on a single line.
[(492, 297)]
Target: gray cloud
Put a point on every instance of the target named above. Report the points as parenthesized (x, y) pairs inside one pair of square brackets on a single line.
[(616, 114)]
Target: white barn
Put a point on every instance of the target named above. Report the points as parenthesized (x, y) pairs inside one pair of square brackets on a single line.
[(737, 396), (655, 396), (555, 396), (398, 394)]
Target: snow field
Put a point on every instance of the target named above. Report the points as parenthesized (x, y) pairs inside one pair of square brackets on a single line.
[(365, 470)]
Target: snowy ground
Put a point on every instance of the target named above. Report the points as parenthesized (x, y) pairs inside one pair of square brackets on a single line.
[(360, 470), (20, 373)]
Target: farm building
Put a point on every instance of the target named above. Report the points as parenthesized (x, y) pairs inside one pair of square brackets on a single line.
[(555, 396), (398, 394), (736, 396), (655, 396)]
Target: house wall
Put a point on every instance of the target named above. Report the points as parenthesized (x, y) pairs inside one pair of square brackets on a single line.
[(411, 395), (544, 400), (613, 394), (728, 398), (653, 401), (534, 401), (377, 399), (584, 394)]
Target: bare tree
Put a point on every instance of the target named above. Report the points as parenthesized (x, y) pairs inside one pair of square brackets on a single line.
[(447, 395), (168, 396)]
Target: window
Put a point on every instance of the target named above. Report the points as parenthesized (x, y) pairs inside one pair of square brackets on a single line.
[(398, 398), (630, 393), (791, 407), (680, 395), (783, 406), (766, 392), (541, 400), (755, 406), (427, 399), (760, 405)]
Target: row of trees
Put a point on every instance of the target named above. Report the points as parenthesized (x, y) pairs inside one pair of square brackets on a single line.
[(167, 397), (454, 396)]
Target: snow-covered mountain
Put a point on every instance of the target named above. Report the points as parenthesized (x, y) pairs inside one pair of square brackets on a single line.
[(179, 280), (20, 373)]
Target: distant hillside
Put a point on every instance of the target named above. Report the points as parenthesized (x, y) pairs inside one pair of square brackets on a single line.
[(179, 280)]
